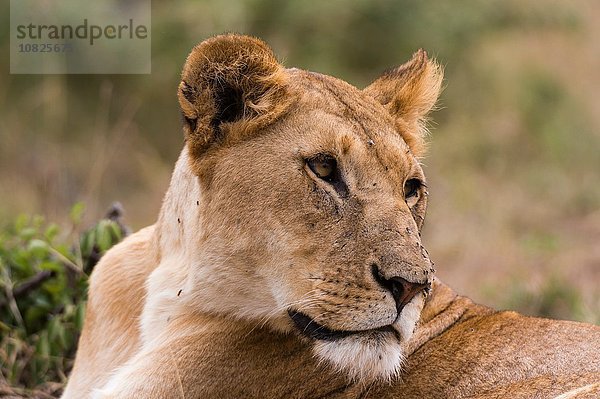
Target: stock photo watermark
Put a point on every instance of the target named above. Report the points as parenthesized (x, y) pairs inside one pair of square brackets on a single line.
[(75, 37)]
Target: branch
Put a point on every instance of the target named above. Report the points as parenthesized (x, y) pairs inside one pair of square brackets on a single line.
[(28, 285)]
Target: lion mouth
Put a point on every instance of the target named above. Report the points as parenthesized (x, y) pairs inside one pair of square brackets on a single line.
[(311, 329)]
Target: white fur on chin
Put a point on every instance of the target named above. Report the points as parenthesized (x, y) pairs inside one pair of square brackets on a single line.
[(374, 355), (363, 357)]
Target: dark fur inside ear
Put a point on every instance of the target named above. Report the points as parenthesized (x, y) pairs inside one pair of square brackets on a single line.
[(229, 102), (231, 87)]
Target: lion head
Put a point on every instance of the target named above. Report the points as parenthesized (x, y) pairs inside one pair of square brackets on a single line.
[(304, 200)]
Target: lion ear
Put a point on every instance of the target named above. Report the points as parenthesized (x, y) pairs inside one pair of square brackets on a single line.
[(231, 86), (409, 92)]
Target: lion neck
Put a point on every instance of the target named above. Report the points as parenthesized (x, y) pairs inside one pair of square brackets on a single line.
[(443, 309), (175, 228), (174, 237)]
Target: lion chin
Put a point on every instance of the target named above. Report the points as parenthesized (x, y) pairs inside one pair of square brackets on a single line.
[(372, 355)]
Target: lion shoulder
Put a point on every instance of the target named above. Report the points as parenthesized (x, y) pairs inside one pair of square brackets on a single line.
[(115, 301)]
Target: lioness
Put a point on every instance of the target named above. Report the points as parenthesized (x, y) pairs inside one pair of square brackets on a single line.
[(287, 260)]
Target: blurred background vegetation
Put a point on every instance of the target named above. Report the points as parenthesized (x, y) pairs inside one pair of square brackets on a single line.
[(514, 163)]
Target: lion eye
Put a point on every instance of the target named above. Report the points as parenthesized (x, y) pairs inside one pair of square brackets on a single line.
[(411, 189), (323, 166)]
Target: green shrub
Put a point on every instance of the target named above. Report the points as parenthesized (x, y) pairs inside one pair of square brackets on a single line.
[(44, 273)]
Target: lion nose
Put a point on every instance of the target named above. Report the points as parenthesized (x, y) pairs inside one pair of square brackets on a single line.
[(401, 289)]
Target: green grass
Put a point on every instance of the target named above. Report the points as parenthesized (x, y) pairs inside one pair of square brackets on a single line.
[(44, 272)]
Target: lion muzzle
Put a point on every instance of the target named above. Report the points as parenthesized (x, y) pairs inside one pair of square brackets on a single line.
[(402, 290)]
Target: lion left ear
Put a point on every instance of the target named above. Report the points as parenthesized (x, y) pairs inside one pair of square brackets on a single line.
[(409, 92), (231, 87)]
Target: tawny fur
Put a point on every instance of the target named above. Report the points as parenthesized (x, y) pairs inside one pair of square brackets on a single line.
[(196, 306)]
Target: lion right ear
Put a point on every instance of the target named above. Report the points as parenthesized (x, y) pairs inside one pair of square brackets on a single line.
[(231, 86), (409, 92)]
